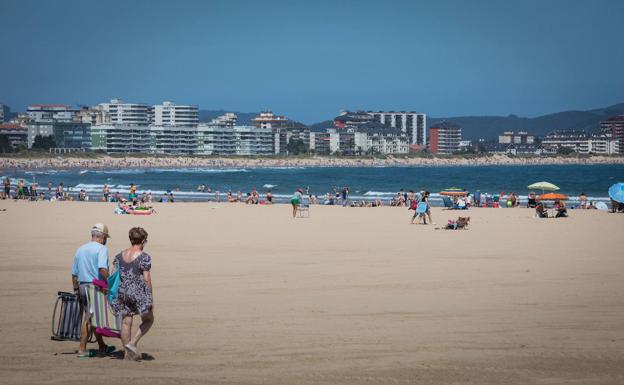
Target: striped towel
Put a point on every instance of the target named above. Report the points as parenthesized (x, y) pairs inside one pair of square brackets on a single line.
[(102, 316)]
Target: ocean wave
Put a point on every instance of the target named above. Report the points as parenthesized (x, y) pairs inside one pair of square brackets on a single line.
[(378, 193), (269, 185), (284, 168)]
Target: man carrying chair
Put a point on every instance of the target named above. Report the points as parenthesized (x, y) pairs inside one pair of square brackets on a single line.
[(90, 262)]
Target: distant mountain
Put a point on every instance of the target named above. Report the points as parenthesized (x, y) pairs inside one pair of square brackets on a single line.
[(244, 118), (321, 126), (488, 127)]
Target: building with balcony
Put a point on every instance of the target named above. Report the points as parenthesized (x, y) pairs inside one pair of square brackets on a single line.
[(414, 124), (51, 112), (16, 135), (72, 135), (120, 139), (38, 128), (170, 114), (172, 140), (614, 126), (581, 142), (129, 114), (444, 138), (326, 143), (226, 120), (267, 119), (92, 115), (5, 113), (521, 137)]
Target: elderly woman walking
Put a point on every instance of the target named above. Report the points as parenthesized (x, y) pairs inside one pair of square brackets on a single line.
[(135, 291)]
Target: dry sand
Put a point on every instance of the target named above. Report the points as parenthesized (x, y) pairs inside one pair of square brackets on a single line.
[(348, 296)]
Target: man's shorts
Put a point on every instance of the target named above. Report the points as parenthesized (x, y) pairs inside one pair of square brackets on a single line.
[(82, 294)]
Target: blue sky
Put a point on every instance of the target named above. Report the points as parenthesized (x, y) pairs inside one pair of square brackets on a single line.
[(309, 59)]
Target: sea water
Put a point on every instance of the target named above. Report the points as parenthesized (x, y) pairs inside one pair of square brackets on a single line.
[(365, 183)]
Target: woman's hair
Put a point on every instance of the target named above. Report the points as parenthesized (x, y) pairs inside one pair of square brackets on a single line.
[(137, 235)]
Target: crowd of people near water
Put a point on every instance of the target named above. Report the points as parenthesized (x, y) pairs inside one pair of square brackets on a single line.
[(336, 196)]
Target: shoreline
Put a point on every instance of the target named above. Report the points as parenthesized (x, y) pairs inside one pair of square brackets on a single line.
[(106, 162)]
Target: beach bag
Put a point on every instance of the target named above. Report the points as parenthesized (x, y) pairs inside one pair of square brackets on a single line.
[(113, 285)]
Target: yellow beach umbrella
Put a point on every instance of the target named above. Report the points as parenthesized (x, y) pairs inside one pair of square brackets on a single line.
[(544, 186)]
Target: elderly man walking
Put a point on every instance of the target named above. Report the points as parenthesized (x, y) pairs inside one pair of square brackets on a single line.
[(90, 262)]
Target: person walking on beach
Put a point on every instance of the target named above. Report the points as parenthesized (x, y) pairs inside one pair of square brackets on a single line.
[(7, 188), (345, 195), (90, 262), (135, 291), (105, 193), (295, 201), (426, 200)]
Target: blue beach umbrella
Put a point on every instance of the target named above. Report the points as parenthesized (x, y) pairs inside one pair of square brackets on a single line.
[(616, 192)]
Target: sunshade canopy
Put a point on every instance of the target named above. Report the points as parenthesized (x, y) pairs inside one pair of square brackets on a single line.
[(616, 192), (544, 186), (552, 197), (454, 191)]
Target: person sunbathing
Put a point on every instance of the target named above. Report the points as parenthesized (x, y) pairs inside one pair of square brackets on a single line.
[(460, 224)]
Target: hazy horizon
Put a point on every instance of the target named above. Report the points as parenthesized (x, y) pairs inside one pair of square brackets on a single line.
[(308, 61)]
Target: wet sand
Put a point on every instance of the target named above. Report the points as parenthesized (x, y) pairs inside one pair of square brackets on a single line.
[(248, 295)]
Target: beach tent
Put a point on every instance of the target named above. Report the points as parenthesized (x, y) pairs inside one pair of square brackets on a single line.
[(552, 197), (454, 192), (616, 192), (544, 186)]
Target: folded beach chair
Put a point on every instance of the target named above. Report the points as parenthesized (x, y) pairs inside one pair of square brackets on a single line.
[(105, 322), (66, 318), (448, 203)]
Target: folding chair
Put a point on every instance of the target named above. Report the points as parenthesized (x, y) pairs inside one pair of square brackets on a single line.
[(67, 322), (103, 320)]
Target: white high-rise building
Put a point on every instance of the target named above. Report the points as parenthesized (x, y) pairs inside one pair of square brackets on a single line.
[(170, 114), (412, 123), (126, 113)]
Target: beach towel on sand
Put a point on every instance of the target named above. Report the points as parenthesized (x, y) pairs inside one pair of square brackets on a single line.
[(106, 323)]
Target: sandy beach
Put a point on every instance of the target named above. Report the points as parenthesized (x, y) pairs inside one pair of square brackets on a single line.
[(249, 295), (47, 161)]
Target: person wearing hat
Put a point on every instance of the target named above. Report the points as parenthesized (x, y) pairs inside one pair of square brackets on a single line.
[(90, 262)]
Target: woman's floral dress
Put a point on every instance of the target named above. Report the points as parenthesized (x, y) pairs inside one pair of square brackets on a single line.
[(135, 296)]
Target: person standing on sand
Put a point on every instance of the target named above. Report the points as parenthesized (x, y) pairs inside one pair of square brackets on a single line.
[(295, 201), (135, 291), (428, 212), (7, 188), (90, 262), (105, 193)]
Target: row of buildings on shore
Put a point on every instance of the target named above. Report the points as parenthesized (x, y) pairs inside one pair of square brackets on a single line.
[(117, 127)]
